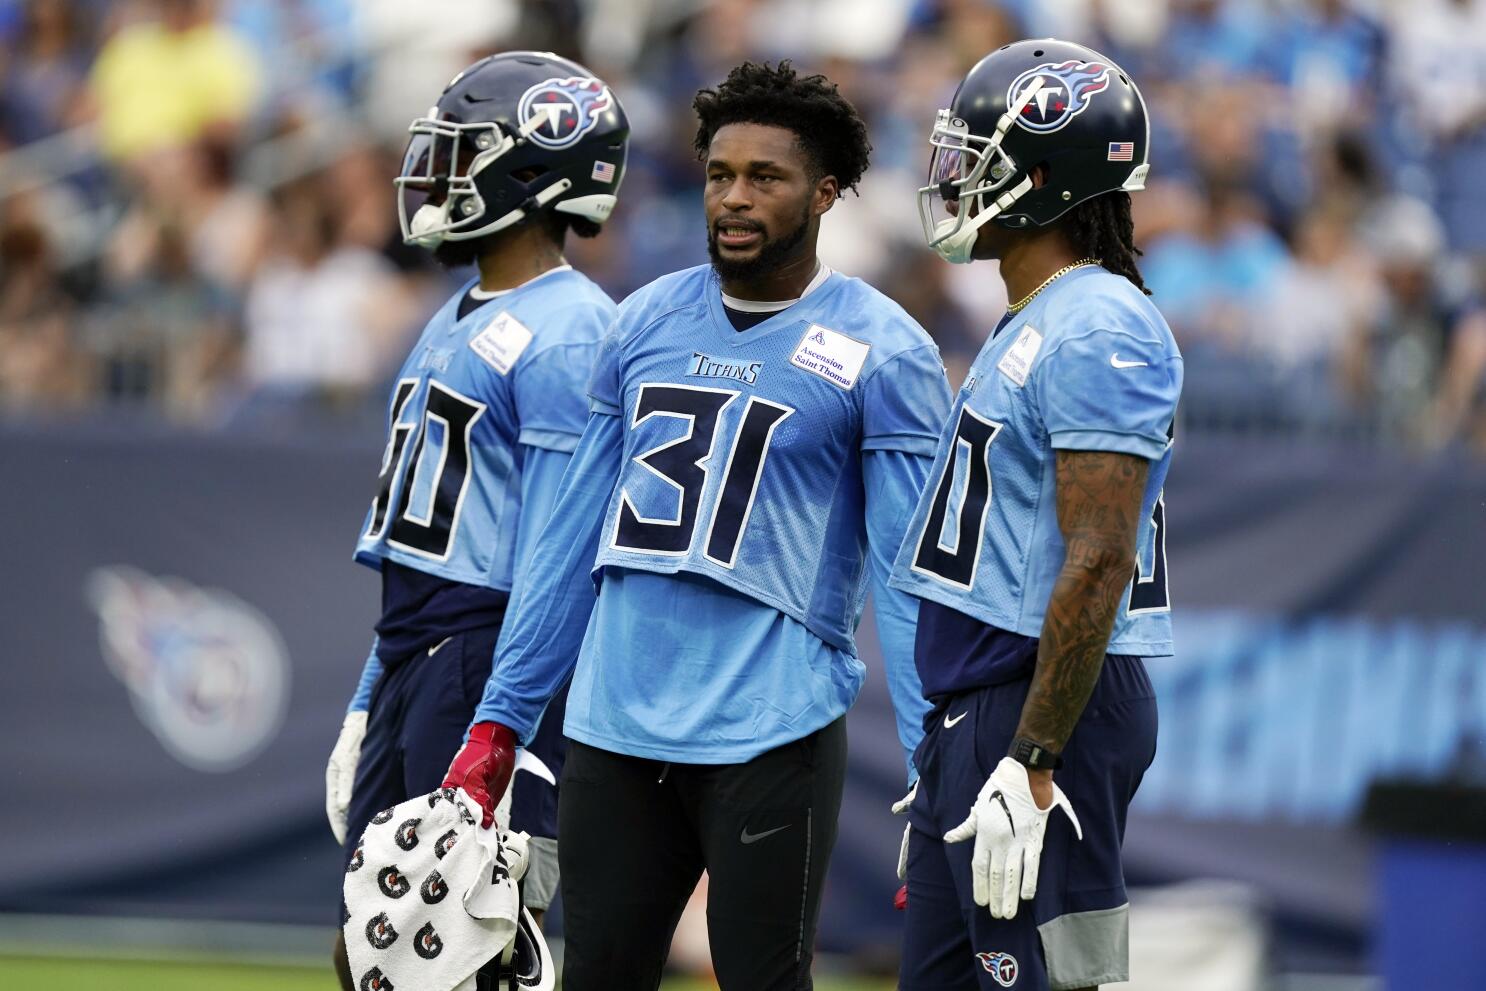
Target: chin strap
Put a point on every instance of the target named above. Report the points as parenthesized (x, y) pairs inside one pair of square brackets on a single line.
[(958, 247)]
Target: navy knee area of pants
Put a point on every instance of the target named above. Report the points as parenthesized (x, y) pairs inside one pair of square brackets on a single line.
[(1075, 924), (420, 709)]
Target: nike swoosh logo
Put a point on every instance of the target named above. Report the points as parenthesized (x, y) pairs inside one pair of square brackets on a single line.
[(748, 837), (950, 723), (1114, 360), (438, 646), (1005, 808)]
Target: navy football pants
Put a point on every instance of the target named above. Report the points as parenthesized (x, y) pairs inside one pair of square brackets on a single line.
[(420, 709), (1074, 934)]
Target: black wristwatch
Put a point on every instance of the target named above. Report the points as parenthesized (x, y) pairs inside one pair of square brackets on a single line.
[(1034, 755)]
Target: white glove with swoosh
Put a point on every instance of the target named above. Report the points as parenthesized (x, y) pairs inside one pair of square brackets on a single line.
[(900, 808), (340, 773), (1008, 828)]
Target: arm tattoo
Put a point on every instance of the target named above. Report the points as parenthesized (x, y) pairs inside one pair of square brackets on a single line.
[(1099, 499)]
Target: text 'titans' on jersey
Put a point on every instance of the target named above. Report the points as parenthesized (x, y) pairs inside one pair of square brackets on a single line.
[(1089, 365), (742, 461), (512, 371)]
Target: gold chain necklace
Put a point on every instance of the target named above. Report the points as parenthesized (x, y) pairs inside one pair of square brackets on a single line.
[(1021, 304)]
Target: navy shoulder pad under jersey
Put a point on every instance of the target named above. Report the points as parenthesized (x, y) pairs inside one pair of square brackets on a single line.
[(743, 449), (1089, 365), (511, 371)]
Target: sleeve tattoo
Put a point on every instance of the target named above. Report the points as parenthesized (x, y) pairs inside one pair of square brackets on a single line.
[(1099, 499)]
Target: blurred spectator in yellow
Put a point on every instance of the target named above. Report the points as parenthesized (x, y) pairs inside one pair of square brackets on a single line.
[(168, 77)]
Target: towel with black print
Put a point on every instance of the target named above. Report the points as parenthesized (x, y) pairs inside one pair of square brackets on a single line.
[(403, 929)]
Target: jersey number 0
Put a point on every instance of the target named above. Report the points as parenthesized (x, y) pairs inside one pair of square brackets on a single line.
[(432, 482), (967, 472)]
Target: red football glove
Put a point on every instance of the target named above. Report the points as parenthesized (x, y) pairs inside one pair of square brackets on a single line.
[(483, 766), (900, 900)]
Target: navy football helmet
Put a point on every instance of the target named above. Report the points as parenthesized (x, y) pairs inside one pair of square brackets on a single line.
[(1045, 102), (514, 134)]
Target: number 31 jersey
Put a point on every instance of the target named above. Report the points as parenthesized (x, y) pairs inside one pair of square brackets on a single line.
[(1089, 365), (743, 453), (512, 371)]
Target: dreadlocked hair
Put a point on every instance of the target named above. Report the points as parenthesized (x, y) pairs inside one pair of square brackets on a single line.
[(827, 126), (1101, 228)]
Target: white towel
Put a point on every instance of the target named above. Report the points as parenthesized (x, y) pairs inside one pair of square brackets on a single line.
[(402, 928)]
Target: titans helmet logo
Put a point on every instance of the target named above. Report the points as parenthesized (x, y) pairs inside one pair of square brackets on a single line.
[(1065, 92), (571, 108)]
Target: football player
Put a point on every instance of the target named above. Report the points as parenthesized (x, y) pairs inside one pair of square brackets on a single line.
[(521, 149), (760, 428), (1038, 547)]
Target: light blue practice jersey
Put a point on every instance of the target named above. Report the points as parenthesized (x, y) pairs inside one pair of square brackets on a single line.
[(1089, 365), (735, 490), (512, 371), (743, 453)]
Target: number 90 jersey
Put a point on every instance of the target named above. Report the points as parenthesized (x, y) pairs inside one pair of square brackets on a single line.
[(1089, 365), (743, 449), (511, 372)]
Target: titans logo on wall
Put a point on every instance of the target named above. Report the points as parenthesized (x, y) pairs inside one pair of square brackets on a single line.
[(206, 672), (1066, 89), (571, 107)]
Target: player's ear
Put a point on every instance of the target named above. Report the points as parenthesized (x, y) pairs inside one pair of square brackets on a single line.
[(827, 192), (1040, 174)]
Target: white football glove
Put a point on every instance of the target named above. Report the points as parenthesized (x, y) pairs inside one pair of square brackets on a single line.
[(340, 773), (900, 808), (1008, 828)]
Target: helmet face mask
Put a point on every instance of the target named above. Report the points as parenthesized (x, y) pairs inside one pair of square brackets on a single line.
[(437, 197), (512, 135), (963, 168), (1033, 102)]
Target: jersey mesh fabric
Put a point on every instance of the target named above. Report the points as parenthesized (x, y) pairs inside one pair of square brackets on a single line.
[(511, 371), (715, 405), (1088, 365)]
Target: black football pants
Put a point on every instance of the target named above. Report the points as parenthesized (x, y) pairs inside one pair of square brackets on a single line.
[(637, 834)]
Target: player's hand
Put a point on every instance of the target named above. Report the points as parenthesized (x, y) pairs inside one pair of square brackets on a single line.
[(1008, 828), (340, 773), (483, 766)]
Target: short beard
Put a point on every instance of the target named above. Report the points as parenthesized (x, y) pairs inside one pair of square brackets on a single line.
[(773, 253)]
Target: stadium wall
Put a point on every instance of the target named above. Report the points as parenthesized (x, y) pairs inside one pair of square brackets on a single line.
[(185, 626)]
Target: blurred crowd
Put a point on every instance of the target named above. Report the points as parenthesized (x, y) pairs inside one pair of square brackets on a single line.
[(197, 221)]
